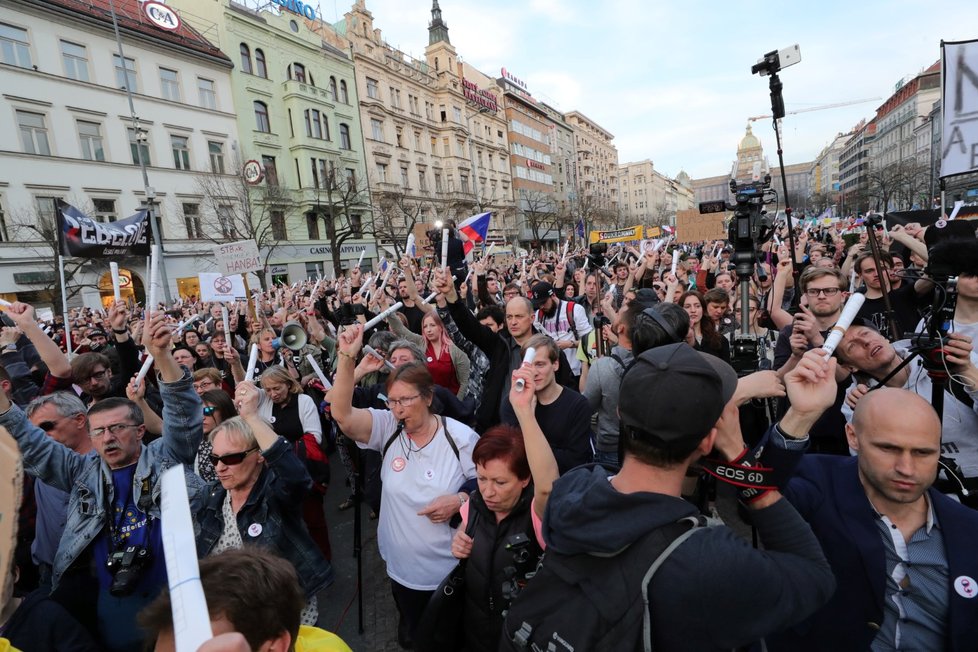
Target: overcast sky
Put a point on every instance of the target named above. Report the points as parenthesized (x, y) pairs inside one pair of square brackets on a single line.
[(672, 80)]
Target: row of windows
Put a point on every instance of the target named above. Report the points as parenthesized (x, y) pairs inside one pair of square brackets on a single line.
[(520, 128), (295, 71), (15, 50), (34, 140), (533, 175), (528, 152), (317, 124)]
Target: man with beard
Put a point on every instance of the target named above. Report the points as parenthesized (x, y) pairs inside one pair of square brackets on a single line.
[(901, 552), (825, 290), (566, 322)]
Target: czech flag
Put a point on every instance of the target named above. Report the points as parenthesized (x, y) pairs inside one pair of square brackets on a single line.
[(476, 228)]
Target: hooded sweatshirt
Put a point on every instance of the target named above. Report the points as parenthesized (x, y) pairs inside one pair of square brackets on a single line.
[(715, 591)]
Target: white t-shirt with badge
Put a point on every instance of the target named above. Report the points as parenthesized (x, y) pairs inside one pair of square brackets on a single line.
[(418, 552)]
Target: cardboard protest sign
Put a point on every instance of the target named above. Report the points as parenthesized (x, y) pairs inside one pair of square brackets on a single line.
[(691, 226)]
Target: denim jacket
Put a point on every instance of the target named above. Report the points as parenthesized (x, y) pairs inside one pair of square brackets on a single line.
[(271, 517), (88, 480)]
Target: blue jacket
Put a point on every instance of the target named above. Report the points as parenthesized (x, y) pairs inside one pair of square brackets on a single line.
[(271, 517), (88, 480), (827, 492)]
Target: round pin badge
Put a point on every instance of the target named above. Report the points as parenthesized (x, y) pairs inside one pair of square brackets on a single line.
[(429, 359), (429, 474), (254, 529), (398, 464), (271, 419), (965, 586), (940, 224)]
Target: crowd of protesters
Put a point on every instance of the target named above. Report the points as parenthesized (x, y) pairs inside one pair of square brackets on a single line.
[(573, 407)]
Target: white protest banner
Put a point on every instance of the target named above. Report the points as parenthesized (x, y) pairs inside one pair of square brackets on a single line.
[(217, 287), (959, 106), (238, 257)]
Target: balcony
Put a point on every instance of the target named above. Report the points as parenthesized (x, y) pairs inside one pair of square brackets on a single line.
[(292, 88)]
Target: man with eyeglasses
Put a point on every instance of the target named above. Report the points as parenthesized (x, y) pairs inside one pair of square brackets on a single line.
[(93, 371), (113, 525), (825, 293)]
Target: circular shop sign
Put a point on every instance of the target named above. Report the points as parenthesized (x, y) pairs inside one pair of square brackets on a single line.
[(252, 172), (162, 16)]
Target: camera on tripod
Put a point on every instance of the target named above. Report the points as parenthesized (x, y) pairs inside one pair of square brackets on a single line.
[(750, 225)]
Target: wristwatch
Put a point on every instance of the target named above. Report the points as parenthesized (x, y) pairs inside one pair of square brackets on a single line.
[(463, 498)]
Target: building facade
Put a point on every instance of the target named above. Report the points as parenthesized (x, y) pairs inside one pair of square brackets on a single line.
[(75, 139), (430, 153), (824, 179), (898, 118), (298, 125), (854, 169), (597, 169), (530, 134), (563, 168), (650, 197)]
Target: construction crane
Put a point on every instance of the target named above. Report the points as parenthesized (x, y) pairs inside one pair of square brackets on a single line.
[(818, 108)]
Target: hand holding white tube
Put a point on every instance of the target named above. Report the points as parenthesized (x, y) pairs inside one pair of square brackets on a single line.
[(528, 357), (252, 363), (369, 350), (227, 327), (116, 293), (382, 316), (444, 247), (852, 307), (147, 363), (319, 372)]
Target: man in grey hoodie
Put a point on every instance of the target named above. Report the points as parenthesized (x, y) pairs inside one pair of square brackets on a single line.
[(714, 591)]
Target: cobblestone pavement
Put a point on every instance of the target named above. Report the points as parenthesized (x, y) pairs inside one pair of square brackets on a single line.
[(338, 604)]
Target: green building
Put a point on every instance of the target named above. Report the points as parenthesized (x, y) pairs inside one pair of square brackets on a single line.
[(301, 191)]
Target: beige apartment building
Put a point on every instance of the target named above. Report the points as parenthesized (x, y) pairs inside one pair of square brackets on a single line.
[(650, 197), (422, 137), (597, 170)]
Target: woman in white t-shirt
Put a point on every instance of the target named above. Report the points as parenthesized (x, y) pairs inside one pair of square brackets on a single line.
[(426, 463)]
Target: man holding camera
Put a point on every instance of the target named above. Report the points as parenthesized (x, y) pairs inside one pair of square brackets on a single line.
[(114, 499), (712, 590)]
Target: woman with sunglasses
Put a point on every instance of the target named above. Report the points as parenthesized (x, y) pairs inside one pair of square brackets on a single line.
[(218, 407), (257, 498), (426, 469)]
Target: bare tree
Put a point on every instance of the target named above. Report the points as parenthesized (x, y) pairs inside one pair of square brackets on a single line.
[(539, 211), (663, 215), (396, 214), (342, 200), (237, 210)]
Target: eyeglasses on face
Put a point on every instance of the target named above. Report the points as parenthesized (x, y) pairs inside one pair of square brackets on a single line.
[(115, 429), (48, 426), (98, 375), (402, 402), (829, 292), (231, 459), (204, 384), (209, 410)]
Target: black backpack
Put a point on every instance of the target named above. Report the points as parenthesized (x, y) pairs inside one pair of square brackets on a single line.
[(590, 603)]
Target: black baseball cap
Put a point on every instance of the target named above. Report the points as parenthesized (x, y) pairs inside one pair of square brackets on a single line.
[(674, 394), (539, 294)]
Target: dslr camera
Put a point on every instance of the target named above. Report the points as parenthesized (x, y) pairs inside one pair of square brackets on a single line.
[(126, 567)]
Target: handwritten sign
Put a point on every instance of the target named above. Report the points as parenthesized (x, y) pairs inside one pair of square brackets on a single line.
[(238, 257), (693, 227)]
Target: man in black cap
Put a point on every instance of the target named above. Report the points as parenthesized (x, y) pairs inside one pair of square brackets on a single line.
[(565, 321), (713, 590)]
